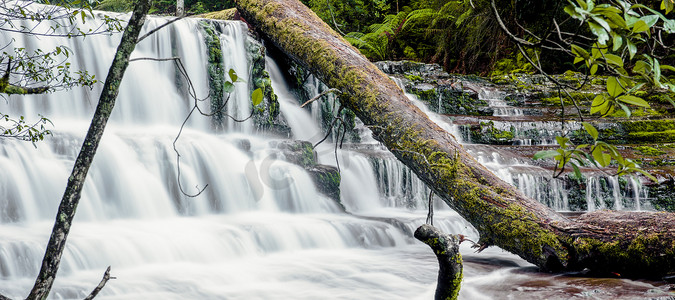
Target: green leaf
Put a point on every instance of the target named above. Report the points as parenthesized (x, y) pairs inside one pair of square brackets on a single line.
[(625, 109), (578, 51), (667, 5), (614, 59), (613, 87), (657, 73), (577, 172), (228, 87), (601, 158), (640, 26), (545, 154), (599, 31), (633, 100), (668, 67), (632, 49), (650, 20), (642, 67), (591, 130), (562, 141), (617, 41), (650, 176), (594, 69), (233, 75), (257, 97), (569, 9), (599, 104)]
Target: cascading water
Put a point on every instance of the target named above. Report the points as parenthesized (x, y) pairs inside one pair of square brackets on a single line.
[(259, 231), (534, 181)]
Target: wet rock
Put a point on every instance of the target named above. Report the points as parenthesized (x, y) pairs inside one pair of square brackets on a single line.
[(327, 180), (300, 153)]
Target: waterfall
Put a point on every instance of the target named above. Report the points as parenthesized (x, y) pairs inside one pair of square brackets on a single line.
[(260, 230)]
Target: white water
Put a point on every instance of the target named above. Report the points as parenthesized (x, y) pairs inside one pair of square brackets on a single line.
[(534, 181), (259, 231)]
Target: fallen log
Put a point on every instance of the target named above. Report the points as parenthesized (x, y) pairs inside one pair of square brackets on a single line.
[(632, 244)]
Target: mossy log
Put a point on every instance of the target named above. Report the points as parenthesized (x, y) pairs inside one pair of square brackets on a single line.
[(446, 248), (633, 244)]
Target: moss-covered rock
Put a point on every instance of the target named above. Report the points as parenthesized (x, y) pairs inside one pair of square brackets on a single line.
[(487, 133), (216, 70), (266, 115), (662, 196), (327, 180), (298, 152)]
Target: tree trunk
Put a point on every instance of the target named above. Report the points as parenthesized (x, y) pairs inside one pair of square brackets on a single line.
[(71, 197), (446, 248), (180, 8), (633, 244)]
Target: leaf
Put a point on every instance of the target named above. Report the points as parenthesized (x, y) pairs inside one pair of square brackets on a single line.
[(613, 87), (614, 59), (562, 141), (545, 154), (601, 158), (632, 49), (641, 67), (578, 51), (233, 75), (617, 41), (594, 69), (228, 87), (599, 31), (599, 103), (650, 20), (667, 5), (657, 73), (257, 97), (625, 109), (577, 172), (633, 100), (650, 176), (591, 130), (640, 26)]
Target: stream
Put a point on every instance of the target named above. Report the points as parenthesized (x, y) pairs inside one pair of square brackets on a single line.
[(261, 229)]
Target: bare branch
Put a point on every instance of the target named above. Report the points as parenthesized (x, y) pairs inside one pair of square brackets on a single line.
[(104, 280), (158, 28), (319, 96)]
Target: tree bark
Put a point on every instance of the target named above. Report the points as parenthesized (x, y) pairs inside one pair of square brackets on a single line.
[(73, 192), (633, 244), (446, 248)]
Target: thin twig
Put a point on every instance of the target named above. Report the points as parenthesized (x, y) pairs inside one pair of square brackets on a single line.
[(104, 280), (158, 28), (319, 96)]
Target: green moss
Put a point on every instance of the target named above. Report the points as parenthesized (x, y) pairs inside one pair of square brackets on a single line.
[(667, 136), (216, 71), (646, 150), (414, 78), (649, 125)]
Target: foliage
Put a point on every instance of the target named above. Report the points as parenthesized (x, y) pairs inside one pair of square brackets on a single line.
[(350, 15), (43, 70), (393, 38), (627, 42), (19, 129)]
